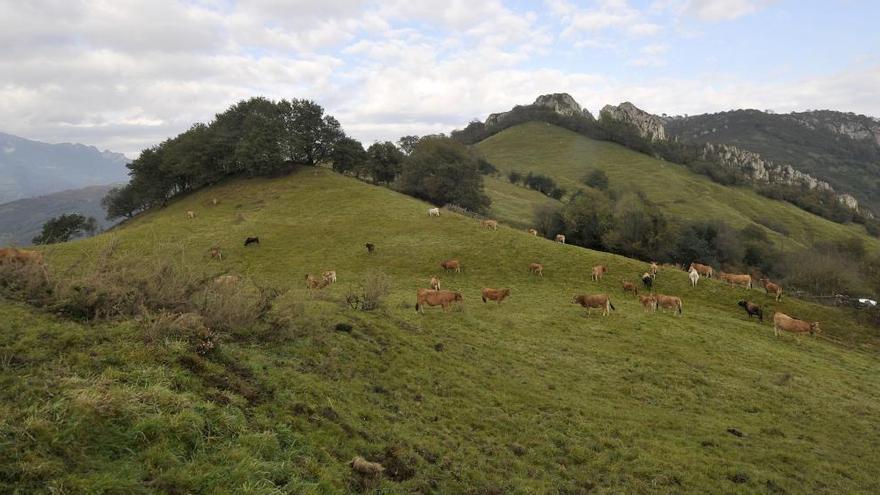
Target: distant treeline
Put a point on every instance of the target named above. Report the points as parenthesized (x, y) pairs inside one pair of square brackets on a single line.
[(821, 203), (261, 137)]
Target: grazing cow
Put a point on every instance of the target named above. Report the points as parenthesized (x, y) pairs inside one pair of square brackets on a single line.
[(669, 302), (782, 321), (771, 288), (654, 268), (312, 282), (451, 265), (537, 269), (251, 240), (370, 247), (647, 280), (590, 301), (214, 201), (599, 271), (190, 214), (329, 275), (736, 279), (496, 295), (704, 270), (649, 303), (694, 275), (533, 232), (489, 224), (629, 287), (433, 212), (443, 298), (435, 283), (227, 280), (560, 238), (365, 467), (751, 309), (216, 253)]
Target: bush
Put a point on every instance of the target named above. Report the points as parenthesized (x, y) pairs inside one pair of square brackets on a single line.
[(597, 179), (376, 287), (514, 177), (188, 327), (443, 171)]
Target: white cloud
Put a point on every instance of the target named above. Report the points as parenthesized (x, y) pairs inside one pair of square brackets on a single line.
[(711, 10)]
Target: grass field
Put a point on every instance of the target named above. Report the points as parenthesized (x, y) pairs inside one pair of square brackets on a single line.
[(531, 396), (683, 195)]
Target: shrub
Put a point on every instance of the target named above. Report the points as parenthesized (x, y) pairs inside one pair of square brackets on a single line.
[(596, 179), (376, 286), (514, 177), (188, 327)]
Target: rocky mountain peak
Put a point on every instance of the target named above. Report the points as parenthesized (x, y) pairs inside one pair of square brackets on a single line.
[(650, 126), (561, 103)]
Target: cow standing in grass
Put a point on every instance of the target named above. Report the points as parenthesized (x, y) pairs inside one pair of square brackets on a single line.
[(435, 283), (496, 295), (669, 302), (737, 279), (782, 321), (629, 287), (433, 212), (704, 270), (694, 276), (599, 271), (560, 238), (771, 288), (751, 309), (443, 298), (537, 269), (590, 301), (453, 265)]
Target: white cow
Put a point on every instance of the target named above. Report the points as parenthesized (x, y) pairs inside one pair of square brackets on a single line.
[(433, 212), (694, 276)]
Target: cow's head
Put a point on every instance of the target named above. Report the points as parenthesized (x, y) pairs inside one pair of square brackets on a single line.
[(814, 328)]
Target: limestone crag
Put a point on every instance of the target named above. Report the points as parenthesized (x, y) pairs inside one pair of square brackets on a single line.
[(650, 126), (561, 103)]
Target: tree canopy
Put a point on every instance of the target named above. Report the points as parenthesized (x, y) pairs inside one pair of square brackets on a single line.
[(66, 227), (442, 170)]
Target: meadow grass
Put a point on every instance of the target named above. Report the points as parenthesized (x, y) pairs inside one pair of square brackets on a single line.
[(530, 396), (567, 157)]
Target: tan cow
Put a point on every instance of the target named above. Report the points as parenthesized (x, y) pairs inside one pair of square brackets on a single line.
[(533, 232), (312, 282), (649, 303), (444, 298), (215, 201), (599, 271), (560, 238), (227, 280), (654, 268), (190, 214), (329, 275), (435, 283), (537, 269), (23, 256), (489, 224), (669, 302), (771, 288), (704, 270), (216, 253), (737, 279), (629, 287), (782, 321), (454, 265), (590, 301), (496, 295)]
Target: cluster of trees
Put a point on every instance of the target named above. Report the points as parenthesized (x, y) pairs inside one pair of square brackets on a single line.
[(688, 154), (627, 223), (539, 182), (255, 137), (66, 227)]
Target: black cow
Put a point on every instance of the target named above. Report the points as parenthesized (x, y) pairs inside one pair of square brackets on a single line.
[(370, 247), (251, 240), (752, 309), (648, 280)]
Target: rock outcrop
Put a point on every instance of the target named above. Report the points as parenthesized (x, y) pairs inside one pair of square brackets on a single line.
[(858, 127), (561, 103), (650, 126)]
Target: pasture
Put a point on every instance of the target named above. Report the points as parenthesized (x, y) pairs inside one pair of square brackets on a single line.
[(567, 157), (529, 396)]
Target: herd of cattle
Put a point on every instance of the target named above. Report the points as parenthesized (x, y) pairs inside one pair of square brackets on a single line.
[(651, 302)]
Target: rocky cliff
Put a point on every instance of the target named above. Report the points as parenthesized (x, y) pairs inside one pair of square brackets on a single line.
[(561, 103), (650, 126)]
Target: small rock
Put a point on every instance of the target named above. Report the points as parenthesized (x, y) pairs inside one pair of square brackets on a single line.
[(735, 432)]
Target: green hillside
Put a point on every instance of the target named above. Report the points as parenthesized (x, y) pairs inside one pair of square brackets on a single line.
[(567, 157), (531, 396)]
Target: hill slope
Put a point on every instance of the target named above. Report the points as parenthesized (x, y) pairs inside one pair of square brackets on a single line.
[(839, 148), (31, 168), (23, 219), (527, 397), (567, 157)]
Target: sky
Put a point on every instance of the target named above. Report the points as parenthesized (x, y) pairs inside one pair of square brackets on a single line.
[(126, 74)]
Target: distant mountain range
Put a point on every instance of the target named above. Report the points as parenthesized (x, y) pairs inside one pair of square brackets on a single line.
[(31, 168), (22, 219)]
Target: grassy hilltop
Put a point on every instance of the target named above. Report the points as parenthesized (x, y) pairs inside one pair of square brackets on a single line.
[(528, 397), (567, 157)]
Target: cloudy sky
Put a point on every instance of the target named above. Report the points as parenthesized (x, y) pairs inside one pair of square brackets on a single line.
[(125, 74)]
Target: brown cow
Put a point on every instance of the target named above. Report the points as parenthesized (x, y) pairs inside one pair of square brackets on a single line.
[(451, 265), (704, 270), (782, 321), (599, 271), (216, 253), (560, 238), (669, 302), (752, 309), (496, 295), (435, 283), (771, 288), (736, 279), (629, 287), (443, 298), (537, 269), (312, 282), (489, 224), (649, 303), (533, 232), (590, 301)]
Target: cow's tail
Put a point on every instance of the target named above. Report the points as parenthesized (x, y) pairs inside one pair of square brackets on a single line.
[(679, 307), (484, 299), (611, 305), (417, 307)]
